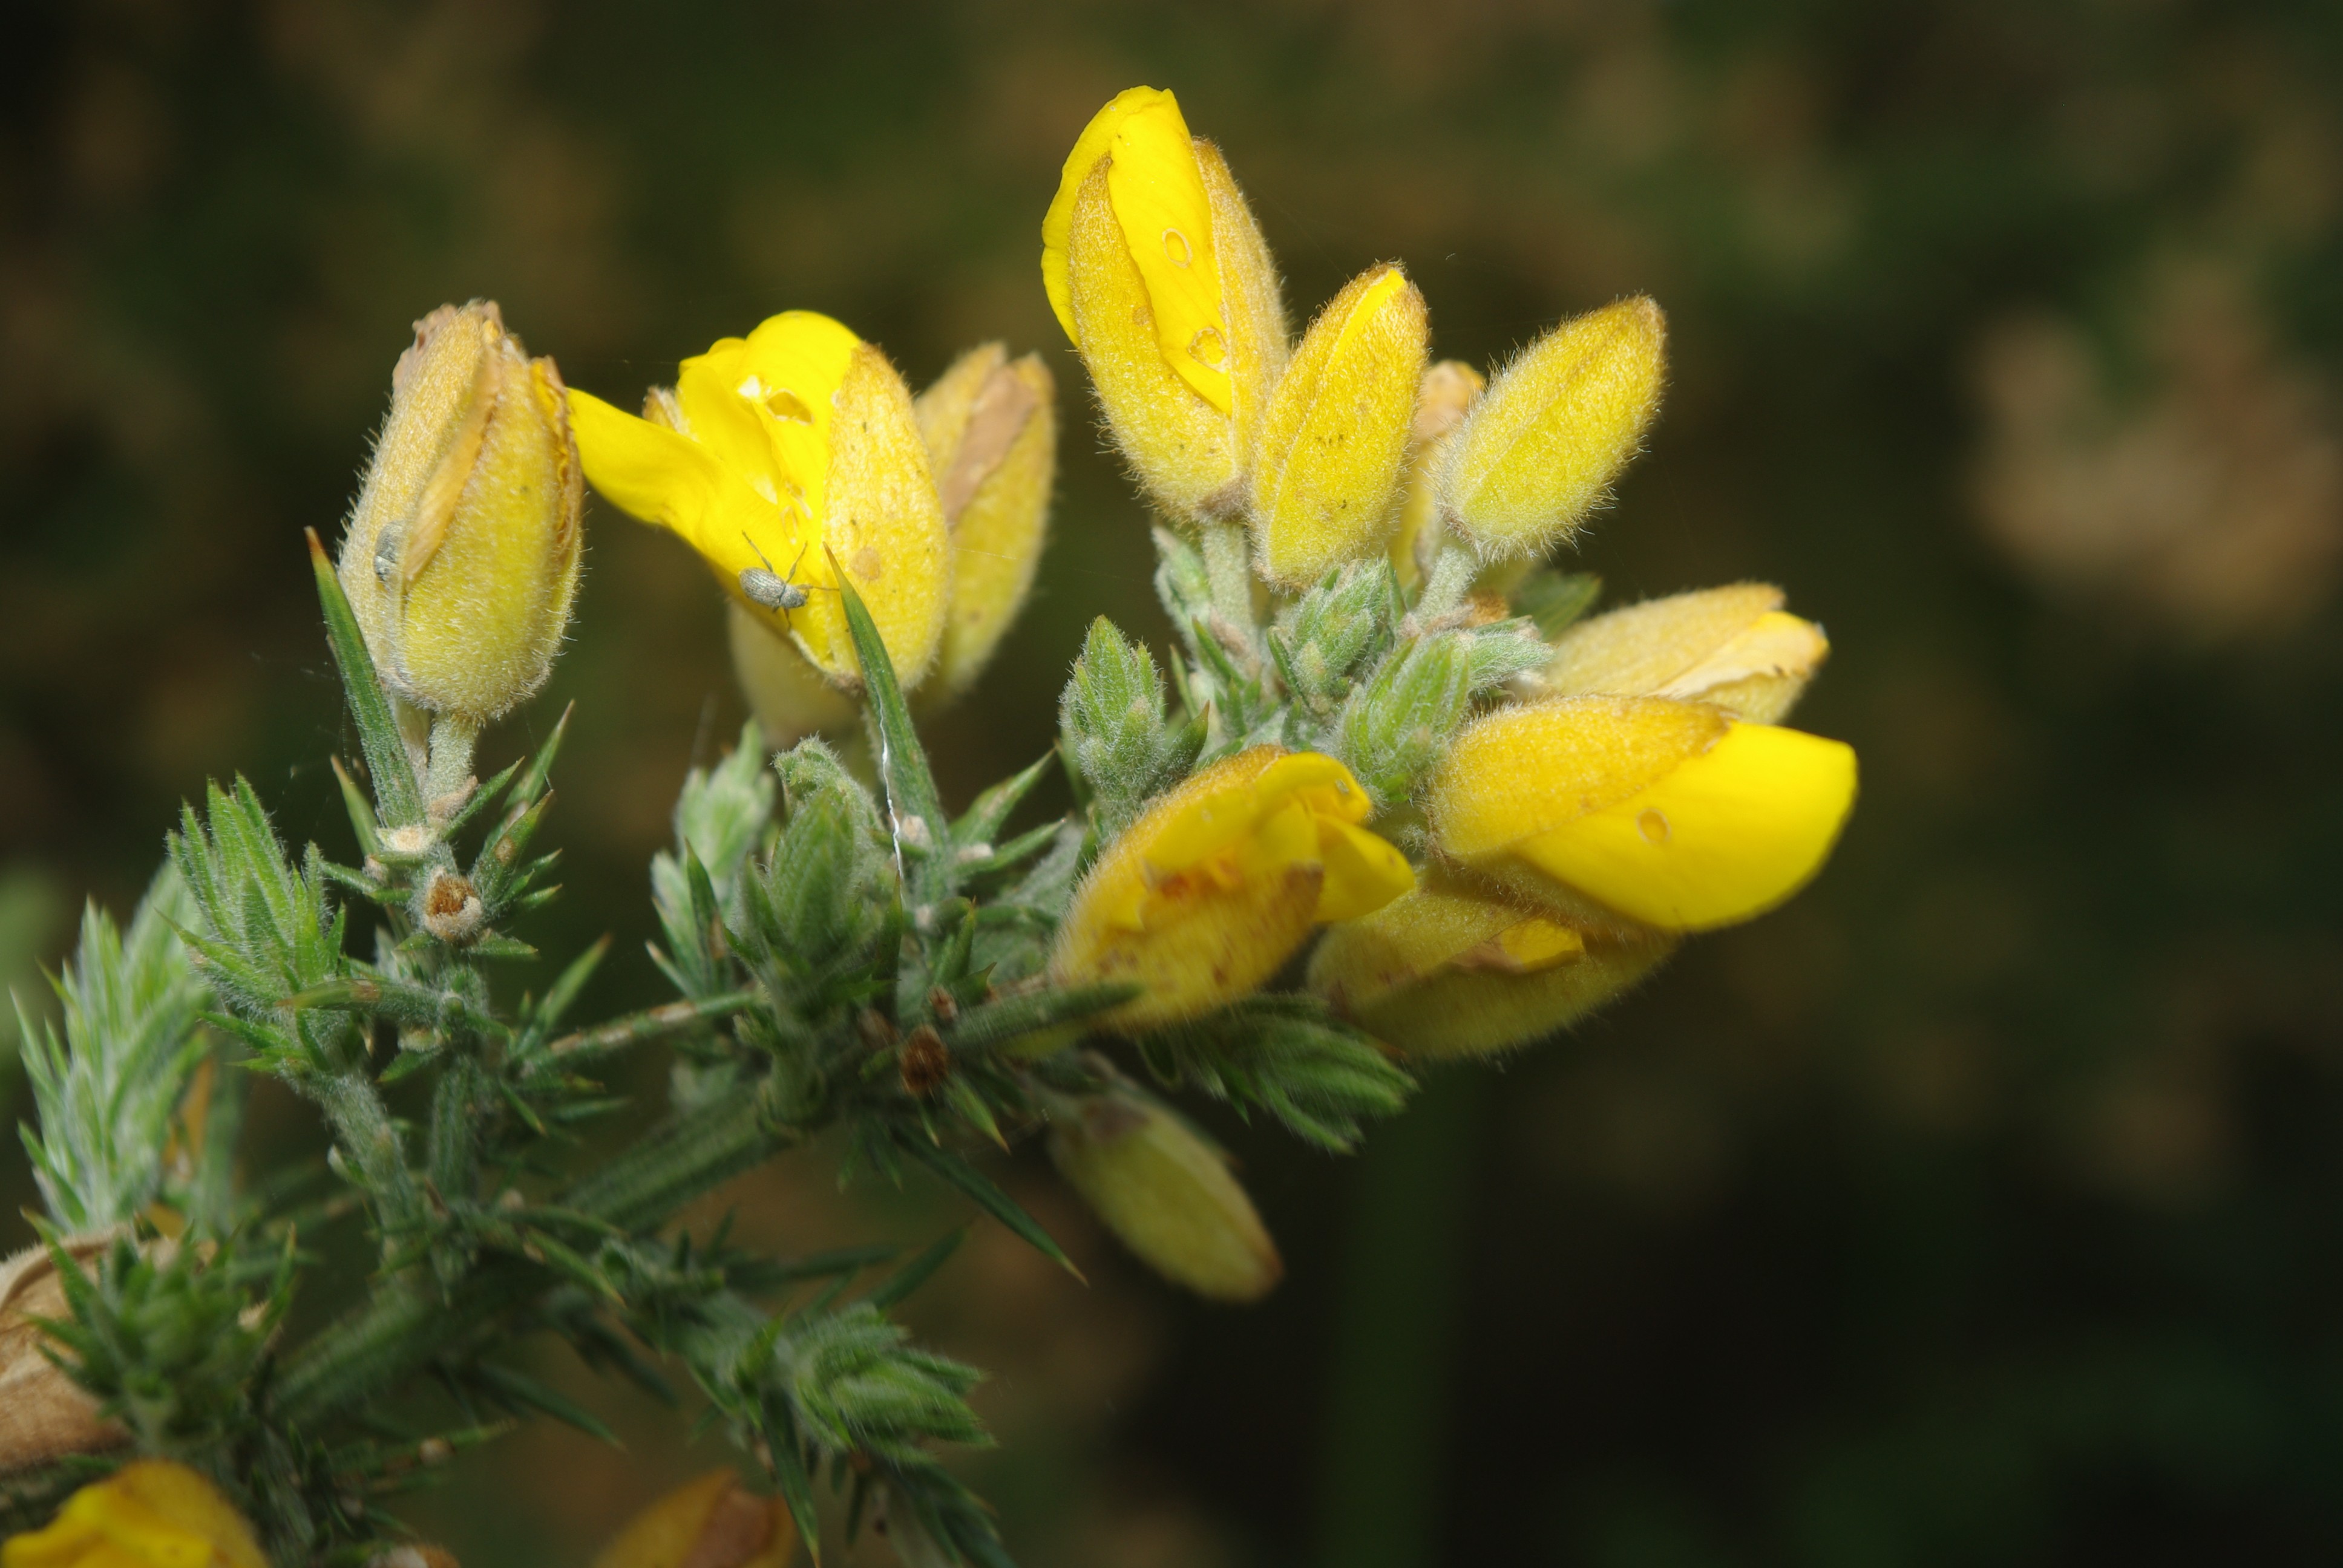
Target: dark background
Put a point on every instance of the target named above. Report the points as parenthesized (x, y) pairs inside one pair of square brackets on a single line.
[(1986, 1204)]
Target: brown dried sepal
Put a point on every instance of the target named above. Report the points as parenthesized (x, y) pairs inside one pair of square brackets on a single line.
[(926, 1062), (44, 1414)]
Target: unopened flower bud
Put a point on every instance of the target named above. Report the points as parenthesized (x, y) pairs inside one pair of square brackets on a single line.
[(1167, 1195), (461, 560), (1446, 395), (1206, 896), (1327, 467), (1541, 445), (710, 1522), (1734, 647), (44, 1415), (991, 425), (1450, 970), (151, 1514), (1159, 274), (1660, 814), (776, 455)]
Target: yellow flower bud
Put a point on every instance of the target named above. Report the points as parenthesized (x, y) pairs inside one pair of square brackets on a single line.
[(1167, 1195), (148, 1514), (1670, 815), (44, 1414), (1540, 449), (991, 425), (787, 695), (1734, 647), (775, 454), (1326, 472), (1158, 271), (1209, 893), (710, 1522), (1447, 393), (1449, 970), (462, 558)]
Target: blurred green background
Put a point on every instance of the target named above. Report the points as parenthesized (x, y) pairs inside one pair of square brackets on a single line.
[(1985, 1204)]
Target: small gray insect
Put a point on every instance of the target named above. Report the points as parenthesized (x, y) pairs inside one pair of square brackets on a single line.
[(772, 589)]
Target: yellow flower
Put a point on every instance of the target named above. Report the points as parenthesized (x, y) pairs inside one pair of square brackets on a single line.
[(1330, 445), (462, 558), (991, 425), (1167, 1195), (1159, 275), (1211, 890), (1447, 393), (1449, 970), (710, 1522), (1734, 647), (148, 1514), (1671, 815), (1541, 445), (775, 454)]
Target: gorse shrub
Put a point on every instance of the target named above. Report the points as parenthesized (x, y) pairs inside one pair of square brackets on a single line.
[(1389, 729)]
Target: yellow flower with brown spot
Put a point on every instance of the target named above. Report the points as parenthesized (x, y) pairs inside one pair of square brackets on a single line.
[(1159, 274), (991, 424), (1327, 464), (462, 558), (1735, 647), (147, 1514), (1541, 447), (1167, 1195), (1642, 812), (1455, 970), (1209, 893), (775, 456), (710, 1522)]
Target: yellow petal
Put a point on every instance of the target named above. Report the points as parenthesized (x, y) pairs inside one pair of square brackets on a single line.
[(151, 1514), (1179, 442), (1096, 141), (1165, 218), (1203, 897), (1528, 770), (883, 524), (1325, 480), (1251, 302), (1363, 873), (1167, 221), (1541, 448), (1727, 835)]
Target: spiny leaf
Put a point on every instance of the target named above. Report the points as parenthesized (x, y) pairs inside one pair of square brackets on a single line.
[(401, 803), (960, 1174)]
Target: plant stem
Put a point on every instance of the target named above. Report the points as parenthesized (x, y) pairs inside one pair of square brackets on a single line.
[(1228, 564), (1380, 1487), (403, 1328), (453, 738), (364, 1133), (1453, 571)]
